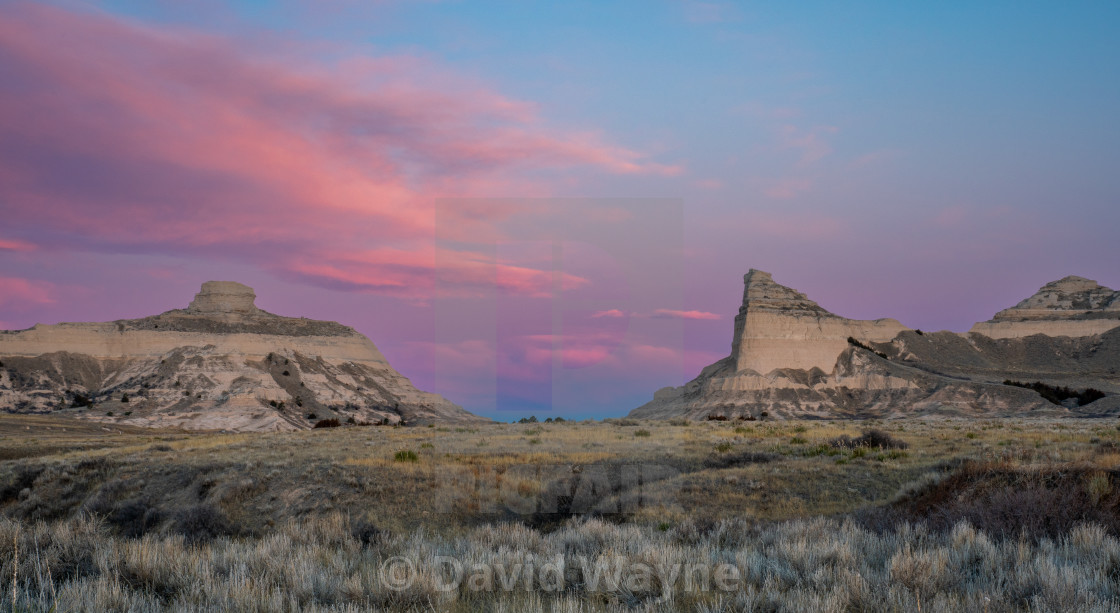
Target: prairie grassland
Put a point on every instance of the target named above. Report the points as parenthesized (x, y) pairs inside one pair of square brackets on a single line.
[(970, 515), (324, 564)]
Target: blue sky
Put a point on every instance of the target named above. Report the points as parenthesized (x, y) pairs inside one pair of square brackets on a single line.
[(931, 162)]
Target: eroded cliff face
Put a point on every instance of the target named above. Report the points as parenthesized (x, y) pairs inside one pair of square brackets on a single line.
[(221, 363), (778, 327), (792, 358), (1073, 306)]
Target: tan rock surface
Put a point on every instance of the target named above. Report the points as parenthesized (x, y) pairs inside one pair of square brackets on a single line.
[(1073, 306), (792, 358), (778, 327), (222, 363)]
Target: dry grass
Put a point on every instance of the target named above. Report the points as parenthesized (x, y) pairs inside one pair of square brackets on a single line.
[(213, 511), (326, 565)]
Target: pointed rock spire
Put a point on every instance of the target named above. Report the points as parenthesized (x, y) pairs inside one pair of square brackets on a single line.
[(761, 292)]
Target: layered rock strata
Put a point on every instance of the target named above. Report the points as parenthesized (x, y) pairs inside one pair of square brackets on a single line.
[(221, 363), (778, 327), (792, 358), (1073, 306)]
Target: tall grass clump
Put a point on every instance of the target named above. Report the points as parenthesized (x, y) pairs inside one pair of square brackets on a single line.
[(406, 455)]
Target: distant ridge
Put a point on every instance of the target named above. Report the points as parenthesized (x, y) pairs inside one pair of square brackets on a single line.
[(792, 358)]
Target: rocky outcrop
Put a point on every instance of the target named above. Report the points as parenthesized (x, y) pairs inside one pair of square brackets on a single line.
[(221, 363), (224, 298), (778, 327), (792, 358), (1073, 306)]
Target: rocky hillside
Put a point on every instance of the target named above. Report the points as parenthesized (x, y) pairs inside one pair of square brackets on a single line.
[(221, 363), (1073, 306), (792, 358)]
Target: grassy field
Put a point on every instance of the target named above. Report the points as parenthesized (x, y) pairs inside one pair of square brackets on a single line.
[(932, 514)]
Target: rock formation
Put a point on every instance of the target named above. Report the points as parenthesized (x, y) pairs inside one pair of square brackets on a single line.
[(792, 358), (778, 327), (220, 298), (221, 363), (1073, 306)]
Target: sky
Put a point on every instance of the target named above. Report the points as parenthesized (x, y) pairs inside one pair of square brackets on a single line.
[(547, 208)]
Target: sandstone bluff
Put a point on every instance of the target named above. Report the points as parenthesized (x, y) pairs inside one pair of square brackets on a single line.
[(221, 363), (792, 358)]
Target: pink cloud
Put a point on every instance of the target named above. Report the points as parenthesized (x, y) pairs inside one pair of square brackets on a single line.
[(571, 357), (677, 314), (116, 135), (417, 274), (16, 292), (15, 245), (696, 315), (610, 352)]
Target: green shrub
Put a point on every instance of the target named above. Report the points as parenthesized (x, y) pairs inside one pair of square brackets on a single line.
[(1057, 395), (366, 533), (1099, 486), (870, 439), (134, 518), (820, 450), (893, 454), (406, 455), (643, 433), (742, 458), (202, 523), (853, 342)]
